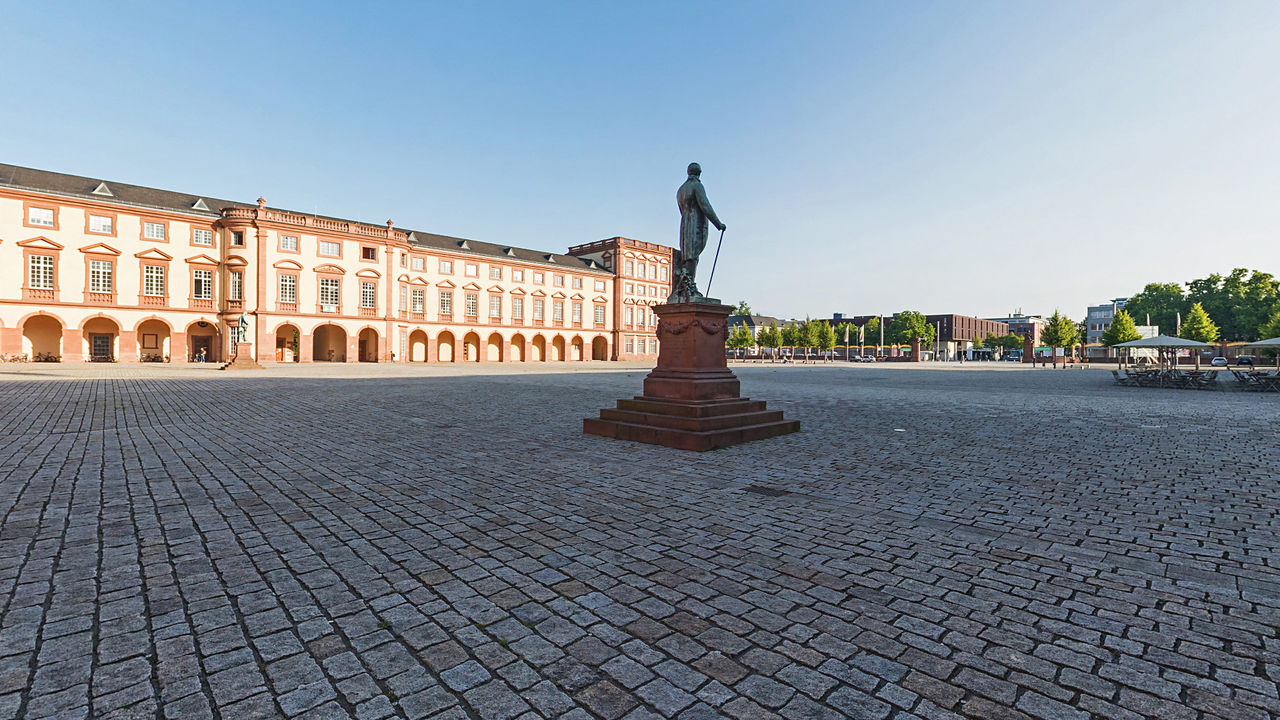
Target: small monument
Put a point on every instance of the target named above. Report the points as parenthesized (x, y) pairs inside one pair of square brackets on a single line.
[(243, 359), (691, 399)]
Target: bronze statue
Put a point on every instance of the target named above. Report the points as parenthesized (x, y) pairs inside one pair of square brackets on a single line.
[(695, 212)]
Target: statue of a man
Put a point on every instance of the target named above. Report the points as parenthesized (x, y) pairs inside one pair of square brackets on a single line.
[(242, 329), (695, 213)]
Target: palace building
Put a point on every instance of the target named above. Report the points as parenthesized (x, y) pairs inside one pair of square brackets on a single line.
[(95, 270)]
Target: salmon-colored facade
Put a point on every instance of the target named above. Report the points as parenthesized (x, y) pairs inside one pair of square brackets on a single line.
[(97, 270)]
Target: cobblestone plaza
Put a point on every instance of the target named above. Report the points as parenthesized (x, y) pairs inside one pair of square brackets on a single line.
[(433, 541)]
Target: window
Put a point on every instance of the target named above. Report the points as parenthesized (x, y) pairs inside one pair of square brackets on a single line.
[(517, 275), (538, 278), (653, 346), (237, 238), (631, 288), (418, 264), (289, 288), (289, 243), (330, 248), (368, 253), (599, 314), (100, 280), (653, 272), (42, 217), (446, 266), (446, 302), (517, 308), (235, 285), (599, 286), (663, 275), (495, 306), (577, 283), (577, 312), (40, 272), (640, 267), (630, 268), (368, 295), (557, 311), (557, 280), (628, 316), (153, 280), (495, 273), (404, 298), (404, 259), (330, 291), (653, 291), (471, 270), (537, 310), (103, 224), (201, 237), (202, 284), (419, 302), (153, 230), (472, 307), (631, 345)]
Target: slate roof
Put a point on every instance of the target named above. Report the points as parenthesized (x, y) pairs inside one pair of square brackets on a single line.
[(46, 181)]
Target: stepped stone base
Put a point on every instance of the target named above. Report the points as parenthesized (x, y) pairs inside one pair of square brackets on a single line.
[(690, 425), (691, 399), (243, 359)]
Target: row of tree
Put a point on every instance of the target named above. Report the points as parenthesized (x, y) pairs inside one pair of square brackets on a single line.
[(1243, 305), (1196, 325)]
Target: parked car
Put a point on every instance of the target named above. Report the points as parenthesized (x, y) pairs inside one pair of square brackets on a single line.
[(868, 358), (1244, 360), (1219, 362)]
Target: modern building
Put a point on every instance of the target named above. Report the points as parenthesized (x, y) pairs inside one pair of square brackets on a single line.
[(956, 333), (1099, 318), (1024, 325), (100, 270)]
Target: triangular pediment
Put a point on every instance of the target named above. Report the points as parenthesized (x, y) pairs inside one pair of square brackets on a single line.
[(576, 296), (41, 243), (495, 289), (558, 294), (202, 260), (599, 299), (510, 252), (100, 249), (517, 291), (329, 268), (550, 258), (368, 273), (446, 284), (102, 190), (420, 281), (153, 254), (538, 293), (471, 286), (287, 265), (200, 204), (463, 244)]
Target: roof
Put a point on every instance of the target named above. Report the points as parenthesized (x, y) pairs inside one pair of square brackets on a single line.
[(45, 181), (89, 188), (1163, 341)]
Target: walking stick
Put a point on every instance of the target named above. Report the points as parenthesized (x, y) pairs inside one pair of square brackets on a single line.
[(712, 276)]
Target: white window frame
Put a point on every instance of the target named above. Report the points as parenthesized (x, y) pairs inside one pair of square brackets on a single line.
[(471, 270), (334, 245), (495, 272), (495, 306), (102, 276), (576, 312), (517, 275), (557, 311), (446, 302), (39, 221), (446, 267), (538, 307), (153, 280), (471, 306), (102, 224), (235, 285), (417, 264), (418, 300), (202, 236), (40, 272), (154, 230), (289, 243), (599, 286), (289, 288), (517, 308), (599, 314), (202, 284), (330, 291), (369, 295)]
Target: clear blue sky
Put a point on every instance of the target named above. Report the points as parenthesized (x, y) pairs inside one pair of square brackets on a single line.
[(868, 157)]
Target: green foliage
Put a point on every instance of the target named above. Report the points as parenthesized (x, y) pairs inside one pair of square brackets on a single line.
[(871, 331), (769, 336), (1060, 331), (742, 309), (826, 336), (1162, 302), (1198, 325), (808, 336), (1004, 342), (739, 337), (1240, 302), (1271, 328), (1122, 329), (846, 327), (907, 326), (790, 336)]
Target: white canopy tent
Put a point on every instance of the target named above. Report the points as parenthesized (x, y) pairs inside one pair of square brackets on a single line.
[(1272, 344), (1167, 344)]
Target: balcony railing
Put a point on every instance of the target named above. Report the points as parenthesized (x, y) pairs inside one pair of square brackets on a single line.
[(235, 305), (287, 307), (153, 301), (31, 295), (418, 316), (100, 298), (201, 303), (368, 312), (318, 223)]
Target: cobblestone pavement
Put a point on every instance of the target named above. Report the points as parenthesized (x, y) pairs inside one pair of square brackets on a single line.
[(380, 542)]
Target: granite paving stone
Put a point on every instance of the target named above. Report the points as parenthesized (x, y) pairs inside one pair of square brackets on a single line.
[(410, 541)]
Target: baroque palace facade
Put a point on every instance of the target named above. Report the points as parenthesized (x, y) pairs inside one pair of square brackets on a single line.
[(92, 270)]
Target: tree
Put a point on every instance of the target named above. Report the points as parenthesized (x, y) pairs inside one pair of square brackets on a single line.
[(1060, 331), (1162, 302), (907, 326), (770, 337), (826, 336), (846, 333), (790, 336), (742, 309), (1271, 328), (871, 332), (1198, 326), (1122, 330), (1240, 302), (739, 338)]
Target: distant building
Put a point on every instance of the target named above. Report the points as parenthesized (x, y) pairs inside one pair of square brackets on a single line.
[(1100, 317), (754, 323), (956, 333), (1024, 325)]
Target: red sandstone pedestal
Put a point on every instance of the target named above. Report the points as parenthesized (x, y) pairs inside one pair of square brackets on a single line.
[(691, 399), (243, 359)]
